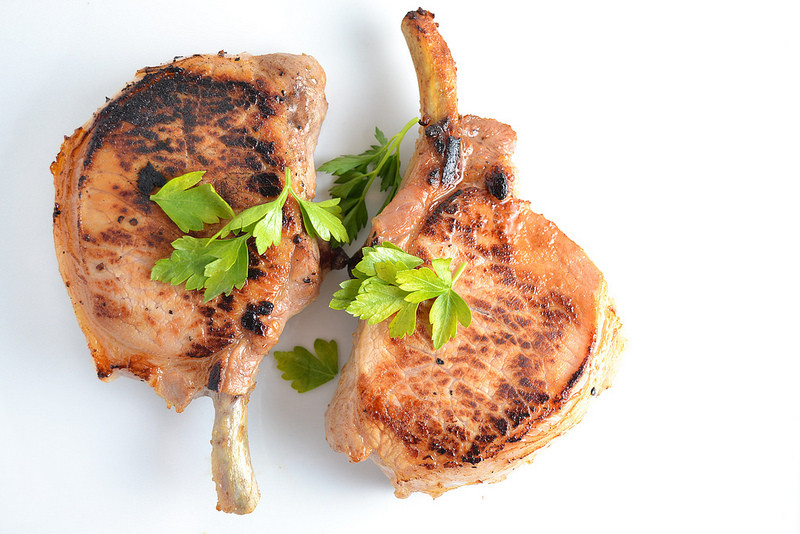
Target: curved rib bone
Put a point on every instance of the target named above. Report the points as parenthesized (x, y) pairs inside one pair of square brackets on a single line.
[(436, 70), (237, 489)]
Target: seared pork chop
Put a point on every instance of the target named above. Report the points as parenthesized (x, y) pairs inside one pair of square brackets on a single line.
[(544, 337), (243, 119)]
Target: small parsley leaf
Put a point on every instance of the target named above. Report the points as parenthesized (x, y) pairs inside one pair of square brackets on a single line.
[(385, 252), (342, 298), (405, 321), (376, 301), (191, 208), (422, 284), (446, 310), (322, 220), (229, 270), (307, 371), (186, 264)]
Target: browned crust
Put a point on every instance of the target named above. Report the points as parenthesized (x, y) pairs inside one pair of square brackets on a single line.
[(243, 122)]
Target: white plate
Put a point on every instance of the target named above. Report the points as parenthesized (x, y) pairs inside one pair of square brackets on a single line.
[(662, 137)]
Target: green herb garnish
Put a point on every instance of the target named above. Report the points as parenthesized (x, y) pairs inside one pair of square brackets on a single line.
[(191, 208), (308, 371), (355, 174), (217, 264), (389, 281)]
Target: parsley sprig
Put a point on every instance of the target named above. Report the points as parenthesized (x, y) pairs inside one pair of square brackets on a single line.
[(355, 174), (307, 371), (389, 281), (215, 263)]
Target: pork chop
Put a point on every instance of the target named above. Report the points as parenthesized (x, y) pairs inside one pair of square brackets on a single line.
[(544, 337), (243, 119)]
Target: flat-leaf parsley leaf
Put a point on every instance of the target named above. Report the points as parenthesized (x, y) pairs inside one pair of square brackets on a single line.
[(191, 208), (307, 371)]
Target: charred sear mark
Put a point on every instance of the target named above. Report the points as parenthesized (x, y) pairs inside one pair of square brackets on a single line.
[(251, 316), (438, 135), (574, 378), (250, 321), (500, 424), (148, 179), (451, 158), (198, 350), (158, 99), (267, 184), (497, 182), (138, 368), (108, 309), (412, 15), (434, 176), (117, 238), (103, 372), (253, 259), (473, 455), (265, 150), (255, 274), (214, 376), (449, 205), (226, 303), (264, 307), (217, 339)]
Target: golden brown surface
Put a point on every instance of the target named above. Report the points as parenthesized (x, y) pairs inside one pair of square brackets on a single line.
[(544, 336), (242, 119)]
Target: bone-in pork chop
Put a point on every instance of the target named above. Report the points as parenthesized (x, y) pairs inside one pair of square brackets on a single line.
[(544, 337), (243, 119)]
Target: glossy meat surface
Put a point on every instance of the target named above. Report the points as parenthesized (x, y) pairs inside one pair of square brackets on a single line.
[(243, 119), (544, 337)]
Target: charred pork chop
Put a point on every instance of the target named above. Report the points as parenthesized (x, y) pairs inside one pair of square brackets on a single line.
[(544, 337), (243, 119)]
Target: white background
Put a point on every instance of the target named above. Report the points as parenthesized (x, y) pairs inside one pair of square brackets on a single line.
[(663, 137)]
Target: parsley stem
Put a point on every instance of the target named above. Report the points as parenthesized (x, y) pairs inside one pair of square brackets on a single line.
[(392, 147), (458, 272)]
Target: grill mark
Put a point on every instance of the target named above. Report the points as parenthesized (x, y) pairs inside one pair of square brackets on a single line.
[(448, 205), (497, 183), (267, 184), (214, 377), (451, 157)]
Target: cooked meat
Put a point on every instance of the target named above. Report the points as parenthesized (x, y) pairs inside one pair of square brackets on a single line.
[(544, 337), (243, 119)]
